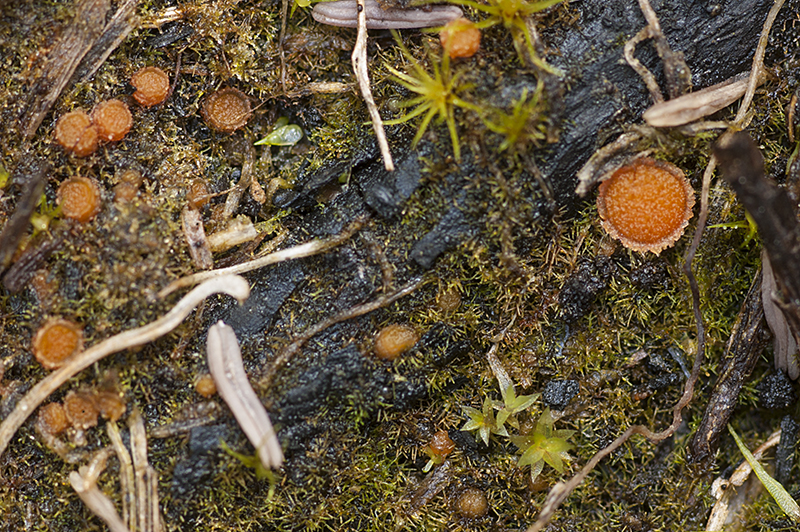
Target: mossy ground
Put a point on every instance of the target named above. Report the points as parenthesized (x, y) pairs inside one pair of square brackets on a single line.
[(362, 465)]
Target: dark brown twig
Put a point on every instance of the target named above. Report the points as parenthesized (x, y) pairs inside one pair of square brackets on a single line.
[(769, 205)]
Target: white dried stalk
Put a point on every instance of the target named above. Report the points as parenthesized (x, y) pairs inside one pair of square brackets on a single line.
[(126, 482), (724, 490), (84, 482), (225, 364), (696, 105), (238, 231), (297, 252), (232, 285), (359, 59)]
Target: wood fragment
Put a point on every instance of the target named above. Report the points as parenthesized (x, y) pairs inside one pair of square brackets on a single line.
[(784, 346), (746, 343), (114, 33), (62, 61), (743, 167), (33, 178), (193, 230), (33, 258)]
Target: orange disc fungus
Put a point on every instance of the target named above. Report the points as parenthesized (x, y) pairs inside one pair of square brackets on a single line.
[(81, 410), (112, 119), (75, 133), (205, 386), (56, 341), (128, 186), (441, 445), (461, 38), (226, 110), (53, 419), (152, 86), (394, 340), (79, 198), (110, 404), (646, 204), (472, 503)]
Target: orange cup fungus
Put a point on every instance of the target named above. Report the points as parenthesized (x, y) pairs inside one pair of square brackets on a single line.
[(461, 38), (56, 341), (394, 340), (441, 445), (79, 198), (128, 187), (76, 133), (205, 386), (53, 419), (472, 504), (646, 205), (81, 410), (110, 404), (226, 110), (152, 86), (112, 119)]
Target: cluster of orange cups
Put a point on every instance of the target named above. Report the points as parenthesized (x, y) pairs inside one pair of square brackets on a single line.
[(80, 133)]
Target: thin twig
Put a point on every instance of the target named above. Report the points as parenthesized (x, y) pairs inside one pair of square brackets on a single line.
[(758, 65), (308, 249), (232, 285), (359, 310), (359, 59), (647, 76)]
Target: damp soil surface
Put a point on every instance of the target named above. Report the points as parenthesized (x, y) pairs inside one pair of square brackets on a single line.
[(499, 250)]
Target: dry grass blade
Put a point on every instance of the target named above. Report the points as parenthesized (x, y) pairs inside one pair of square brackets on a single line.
[(225, 364)]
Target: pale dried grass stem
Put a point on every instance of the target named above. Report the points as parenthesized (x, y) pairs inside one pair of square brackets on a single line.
[(232, 285)]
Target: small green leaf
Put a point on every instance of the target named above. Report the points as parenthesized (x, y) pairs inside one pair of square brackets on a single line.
[(778, 492), (288, 135)]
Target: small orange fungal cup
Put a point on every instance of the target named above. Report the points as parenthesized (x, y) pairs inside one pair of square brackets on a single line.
[(56, 341), (79, 198), (152, 86), (646, 204)]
